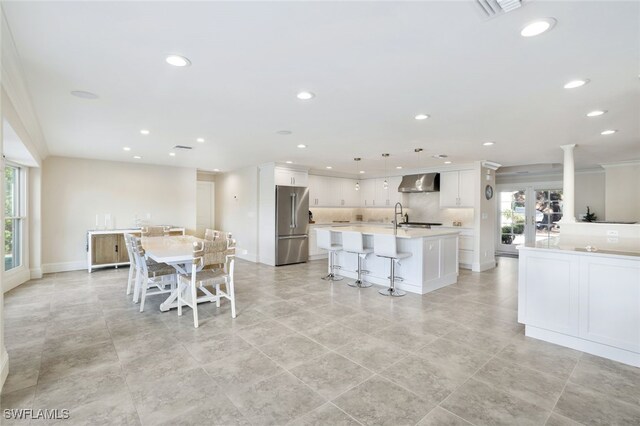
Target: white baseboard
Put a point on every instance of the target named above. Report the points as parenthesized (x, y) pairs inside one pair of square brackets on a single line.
[(251, 257), (319, 256), (4, 366), (484, 266), (14, 278), (36, 273), (77, 265)]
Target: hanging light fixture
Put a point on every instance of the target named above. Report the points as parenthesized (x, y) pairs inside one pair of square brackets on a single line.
[(357, 159), (385, 184)]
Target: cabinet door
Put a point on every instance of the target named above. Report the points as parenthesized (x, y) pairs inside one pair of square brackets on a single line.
[(381, 193), (103, 249), (300, 178), (334, 192), (121, 248), (449, 189), (283, 177), (315, 190), (350, 197), (367, 192), (466, 188)]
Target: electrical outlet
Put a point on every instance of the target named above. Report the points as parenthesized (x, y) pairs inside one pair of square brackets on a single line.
[(484, 216), (612, 233)]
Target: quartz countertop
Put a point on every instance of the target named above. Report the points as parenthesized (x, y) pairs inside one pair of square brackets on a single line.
[(402, 233), (603, 246)]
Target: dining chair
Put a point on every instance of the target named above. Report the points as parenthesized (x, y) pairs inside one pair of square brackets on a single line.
[(155, 231), (157, 275), (213, 264), (212, 234)]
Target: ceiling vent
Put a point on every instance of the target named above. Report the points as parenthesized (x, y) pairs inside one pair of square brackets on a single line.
[(183, 147), (493, 8)]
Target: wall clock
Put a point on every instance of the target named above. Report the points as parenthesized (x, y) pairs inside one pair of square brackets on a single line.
[(488, 192)]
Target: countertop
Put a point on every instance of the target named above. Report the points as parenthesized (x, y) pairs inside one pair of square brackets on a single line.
[(402, 233), (603, 246)]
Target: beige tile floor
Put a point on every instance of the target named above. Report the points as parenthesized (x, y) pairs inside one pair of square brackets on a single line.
[(301, 351)]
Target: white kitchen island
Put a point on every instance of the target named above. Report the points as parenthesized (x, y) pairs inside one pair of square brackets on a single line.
[(433, 264), (583, 293)]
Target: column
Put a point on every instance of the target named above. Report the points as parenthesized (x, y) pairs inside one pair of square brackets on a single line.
[(568, 185)]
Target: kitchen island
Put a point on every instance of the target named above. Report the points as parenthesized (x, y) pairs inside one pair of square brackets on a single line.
[(433, 263), (583, 293)]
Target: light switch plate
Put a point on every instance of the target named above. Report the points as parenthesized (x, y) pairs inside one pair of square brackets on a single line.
[(484, 216), (612, 233)]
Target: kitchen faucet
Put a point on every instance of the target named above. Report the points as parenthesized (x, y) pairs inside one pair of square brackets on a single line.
[(395, 217)]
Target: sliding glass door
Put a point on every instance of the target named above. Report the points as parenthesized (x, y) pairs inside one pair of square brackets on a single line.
[(527, 214)]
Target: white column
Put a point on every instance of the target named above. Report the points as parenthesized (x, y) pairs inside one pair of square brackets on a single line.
[(568, 185)]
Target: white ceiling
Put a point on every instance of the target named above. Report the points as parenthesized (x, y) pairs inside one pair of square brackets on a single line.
[(372, 65)]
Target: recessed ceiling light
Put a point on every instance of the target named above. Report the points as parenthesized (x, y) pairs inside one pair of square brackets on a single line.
[(576, 83), (422, 116), (216, 170), (126, 148), (84, 94), (608, 132), (201, 140), (538, 27), (289, 162), (137, 157), (302, 146), (488, 143), (361, 172), (447, 162), (172, 154), (305, 96), (144, 132), (398, 167), (284, 132), (177, 61), (439, 156), (596, 113), (329, 167)]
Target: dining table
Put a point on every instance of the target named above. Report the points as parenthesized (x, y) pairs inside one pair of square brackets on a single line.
[(176, 251)]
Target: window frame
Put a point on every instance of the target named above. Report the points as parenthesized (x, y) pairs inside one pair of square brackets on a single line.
[(19, 213)]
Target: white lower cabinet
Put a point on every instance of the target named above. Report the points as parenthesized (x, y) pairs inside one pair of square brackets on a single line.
[(584, 301)]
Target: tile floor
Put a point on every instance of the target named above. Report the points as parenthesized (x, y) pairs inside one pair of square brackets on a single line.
[(303, 352)]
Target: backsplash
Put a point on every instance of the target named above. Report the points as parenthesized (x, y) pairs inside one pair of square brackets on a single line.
[(425, 207)]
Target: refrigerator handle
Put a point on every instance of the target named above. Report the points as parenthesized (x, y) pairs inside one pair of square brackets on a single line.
[(293, 210)]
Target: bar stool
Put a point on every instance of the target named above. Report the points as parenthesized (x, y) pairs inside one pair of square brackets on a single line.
[(324, 242), (386, 246), (352, 242)]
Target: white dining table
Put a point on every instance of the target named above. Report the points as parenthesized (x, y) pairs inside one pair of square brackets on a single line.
[(176, 251)]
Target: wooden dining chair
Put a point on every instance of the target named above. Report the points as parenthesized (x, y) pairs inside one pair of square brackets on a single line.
[(213, 265), (155, 231), (157, 275)]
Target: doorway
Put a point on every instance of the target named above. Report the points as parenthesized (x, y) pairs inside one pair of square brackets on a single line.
[(205, 206), (527, 215)]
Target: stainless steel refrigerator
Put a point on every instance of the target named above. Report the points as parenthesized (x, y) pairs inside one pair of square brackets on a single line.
[(292, 225)]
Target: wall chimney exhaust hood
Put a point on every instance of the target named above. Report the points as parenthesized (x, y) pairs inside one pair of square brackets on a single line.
[(425, 182)]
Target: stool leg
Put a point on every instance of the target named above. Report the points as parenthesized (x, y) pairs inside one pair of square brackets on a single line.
[(358, 282), (331, 276), (392, 291)]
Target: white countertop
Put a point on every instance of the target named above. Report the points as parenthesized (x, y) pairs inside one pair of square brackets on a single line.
[(402, 233), (602, 246)]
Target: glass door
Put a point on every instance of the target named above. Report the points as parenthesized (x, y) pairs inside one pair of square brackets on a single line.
[(527, 215)]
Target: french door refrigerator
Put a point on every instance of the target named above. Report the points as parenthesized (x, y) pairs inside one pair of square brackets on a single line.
[(292, 225)]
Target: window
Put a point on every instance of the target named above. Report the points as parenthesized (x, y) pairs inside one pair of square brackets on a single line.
[(12, 218)]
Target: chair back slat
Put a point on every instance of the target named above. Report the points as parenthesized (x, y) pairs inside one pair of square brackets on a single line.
[(155, 231), (212, 254)]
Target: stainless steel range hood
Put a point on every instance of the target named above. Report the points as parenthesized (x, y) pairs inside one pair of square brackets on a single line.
[(426, 182)]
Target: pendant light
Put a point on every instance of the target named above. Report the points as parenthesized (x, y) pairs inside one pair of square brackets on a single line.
[(357, 159), (385, 184)]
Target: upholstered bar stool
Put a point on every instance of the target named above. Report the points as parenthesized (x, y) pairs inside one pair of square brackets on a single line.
[(386, 246), (324, 242), (352, 242)]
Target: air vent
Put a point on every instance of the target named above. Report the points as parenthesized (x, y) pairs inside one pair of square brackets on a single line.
[(493, 8), (182, 147)]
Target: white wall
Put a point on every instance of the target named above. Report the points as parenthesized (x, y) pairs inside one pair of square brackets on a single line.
[(75, 190), (237, 209), (622, 192), (267, 215)]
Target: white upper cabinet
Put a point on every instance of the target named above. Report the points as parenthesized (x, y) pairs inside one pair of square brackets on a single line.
[(457, 188), (327, 191), (350, 197), (367, 192), (316, 190), (288, 177), (394, 195)]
